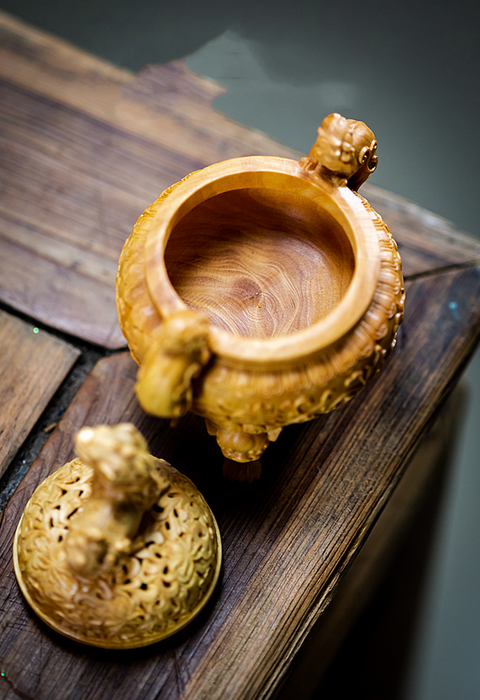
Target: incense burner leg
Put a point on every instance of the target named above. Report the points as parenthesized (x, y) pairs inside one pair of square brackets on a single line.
[(241, 446), (242, 449)]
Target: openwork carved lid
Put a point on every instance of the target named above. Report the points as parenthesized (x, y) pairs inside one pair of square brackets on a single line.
[(99, 568)]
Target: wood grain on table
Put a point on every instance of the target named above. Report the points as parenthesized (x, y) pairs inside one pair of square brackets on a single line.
[(33, 364)]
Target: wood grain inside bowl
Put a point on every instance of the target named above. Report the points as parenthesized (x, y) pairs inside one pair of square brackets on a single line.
[(260, 263)]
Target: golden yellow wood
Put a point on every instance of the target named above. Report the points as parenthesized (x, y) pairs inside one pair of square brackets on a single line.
[(262, 291), (117, 549)]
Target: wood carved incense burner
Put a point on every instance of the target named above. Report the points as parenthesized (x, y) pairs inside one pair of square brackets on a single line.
[(261, 291)]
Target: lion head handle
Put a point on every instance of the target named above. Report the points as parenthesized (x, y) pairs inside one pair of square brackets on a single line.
[(127, 481), (345, 150), (176, 356)]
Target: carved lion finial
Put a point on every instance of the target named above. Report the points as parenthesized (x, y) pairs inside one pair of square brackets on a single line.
[(126, 483), (344, 148)]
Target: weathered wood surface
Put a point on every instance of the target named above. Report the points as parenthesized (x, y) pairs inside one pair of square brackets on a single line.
[(288, 538), (86, 146), (427, 242), (32, 367), (414, 504)]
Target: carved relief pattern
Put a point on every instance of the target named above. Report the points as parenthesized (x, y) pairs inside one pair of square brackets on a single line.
[(259, 402), (152, 594), (137, 315)]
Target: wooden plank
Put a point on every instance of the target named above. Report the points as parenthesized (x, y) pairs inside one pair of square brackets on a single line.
[(288, 539), (427, 242), (32, 366), (86, 146), (169, 105), (415, 502)]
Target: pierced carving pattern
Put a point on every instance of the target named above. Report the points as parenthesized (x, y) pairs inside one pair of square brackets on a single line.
[(153, 593)]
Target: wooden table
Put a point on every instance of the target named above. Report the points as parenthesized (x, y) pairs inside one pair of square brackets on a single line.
[(85, 146)]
